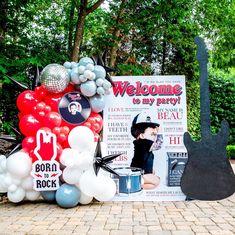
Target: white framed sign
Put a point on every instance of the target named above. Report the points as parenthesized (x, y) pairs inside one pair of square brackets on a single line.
[(160, 103)]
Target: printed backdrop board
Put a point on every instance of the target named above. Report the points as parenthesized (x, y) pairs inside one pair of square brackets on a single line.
[(164, 99)]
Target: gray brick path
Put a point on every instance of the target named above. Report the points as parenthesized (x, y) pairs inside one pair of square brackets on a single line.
[(120, 218)]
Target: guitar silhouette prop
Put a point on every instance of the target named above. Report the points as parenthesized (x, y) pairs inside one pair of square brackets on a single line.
[(208, 174)]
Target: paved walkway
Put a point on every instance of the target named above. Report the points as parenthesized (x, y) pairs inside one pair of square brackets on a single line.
[(120, 218)]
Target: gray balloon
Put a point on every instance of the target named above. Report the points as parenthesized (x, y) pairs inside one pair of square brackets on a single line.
[(99, 71), (97, 103), (88, 88), (75, 76), (54, 78)]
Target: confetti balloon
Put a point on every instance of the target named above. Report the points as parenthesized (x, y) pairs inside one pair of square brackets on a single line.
[(55, 78)]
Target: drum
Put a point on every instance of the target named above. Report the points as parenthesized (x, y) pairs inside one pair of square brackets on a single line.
[(129, 180)]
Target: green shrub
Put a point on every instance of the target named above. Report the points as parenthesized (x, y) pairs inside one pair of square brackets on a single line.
[(134, 70), (222, 99), (231, 151)]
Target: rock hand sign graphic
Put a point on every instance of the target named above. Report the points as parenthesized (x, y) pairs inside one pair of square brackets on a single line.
[(46, 170)]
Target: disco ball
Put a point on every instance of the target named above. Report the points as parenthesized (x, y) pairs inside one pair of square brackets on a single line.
[(54, 78)]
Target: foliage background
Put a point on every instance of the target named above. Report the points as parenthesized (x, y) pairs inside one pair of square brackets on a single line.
[(141, 38)]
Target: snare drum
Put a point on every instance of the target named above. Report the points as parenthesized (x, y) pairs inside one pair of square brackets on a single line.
[(129, 179)]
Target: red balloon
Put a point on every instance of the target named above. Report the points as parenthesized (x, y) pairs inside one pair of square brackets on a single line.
[(56, 130), (53, 101), (40, 106), (70, 126), (20, 115), (33, 156), (52, 120), (65, 130), (29, 143), (47, 109), (26, 101), (96, 122), (46, 129), (69, 88), (59, 151), (95, 127), (96, 137), (40, 92), (87, 124), (38, 114), (29, 125), (61, 137)]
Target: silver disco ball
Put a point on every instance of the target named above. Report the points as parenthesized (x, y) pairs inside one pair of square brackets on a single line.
[(54, 78)]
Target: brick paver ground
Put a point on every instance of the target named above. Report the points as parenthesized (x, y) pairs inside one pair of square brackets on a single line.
[(120, 218)]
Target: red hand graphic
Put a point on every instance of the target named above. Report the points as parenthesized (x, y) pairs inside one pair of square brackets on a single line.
[(46, 146)]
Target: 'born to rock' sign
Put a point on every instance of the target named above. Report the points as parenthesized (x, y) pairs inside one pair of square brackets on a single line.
[(46, 146)]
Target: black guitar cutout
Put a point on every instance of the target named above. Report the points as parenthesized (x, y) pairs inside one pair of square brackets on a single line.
[(208, 174)]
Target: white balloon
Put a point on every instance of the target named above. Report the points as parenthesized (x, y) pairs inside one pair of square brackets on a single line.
[(3, 187), (16, 196), (71, 175), (68, 157), (3, 162), (85, 199), (19, 164), (86, 182), (90, 184), (32, 195), (109, 192), (85, 160), (8, 179), (27, 183), (12, 188), (81, 138), (16, 181)]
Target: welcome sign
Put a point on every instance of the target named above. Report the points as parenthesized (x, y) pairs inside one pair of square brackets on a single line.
[(163, 98)]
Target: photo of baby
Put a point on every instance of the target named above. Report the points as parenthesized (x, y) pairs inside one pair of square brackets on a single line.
[(74, 108), (145, 132)]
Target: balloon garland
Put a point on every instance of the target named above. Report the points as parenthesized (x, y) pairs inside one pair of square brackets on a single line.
[(63, 109)]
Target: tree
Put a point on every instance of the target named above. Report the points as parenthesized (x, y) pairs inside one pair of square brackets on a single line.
[(83, 11)]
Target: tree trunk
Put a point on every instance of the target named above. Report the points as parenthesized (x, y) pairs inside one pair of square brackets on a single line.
[(114, 49), (163, 56), (84, 10), (3, 20), (116, 33), (70, 26), (78, 37)]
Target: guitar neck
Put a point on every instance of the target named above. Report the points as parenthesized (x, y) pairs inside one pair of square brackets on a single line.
[(204, 100)]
